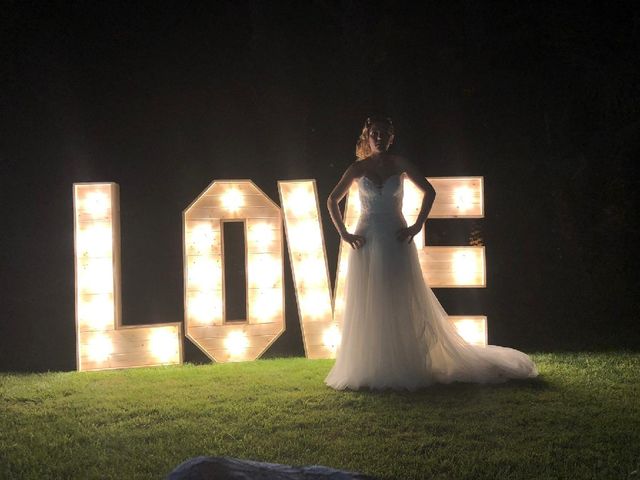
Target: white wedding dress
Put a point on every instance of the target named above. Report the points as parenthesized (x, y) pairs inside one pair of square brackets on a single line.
[(395, 333)]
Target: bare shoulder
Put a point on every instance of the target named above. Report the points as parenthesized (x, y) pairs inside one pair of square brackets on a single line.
[(355, 170), (341, 188)]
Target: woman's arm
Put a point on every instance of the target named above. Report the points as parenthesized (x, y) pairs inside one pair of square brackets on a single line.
[(427, 200), (337, 194)]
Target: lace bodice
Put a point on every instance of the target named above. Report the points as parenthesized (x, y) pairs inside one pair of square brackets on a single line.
[(381, 199)]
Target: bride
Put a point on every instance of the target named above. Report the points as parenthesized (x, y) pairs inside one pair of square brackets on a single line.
[(395, 333)]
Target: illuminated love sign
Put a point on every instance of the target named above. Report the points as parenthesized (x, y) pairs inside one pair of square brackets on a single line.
[(104, 343), (205, 320)]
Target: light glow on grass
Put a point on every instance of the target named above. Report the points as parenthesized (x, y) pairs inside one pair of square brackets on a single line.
[(142, 423)]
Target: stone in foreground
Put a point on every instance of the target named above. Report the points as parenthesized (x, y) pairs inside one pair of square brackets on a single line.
[(225, 468)]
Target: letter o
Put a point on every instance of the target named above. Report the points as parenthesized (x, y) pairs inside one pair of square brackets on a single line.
[(205, 322)]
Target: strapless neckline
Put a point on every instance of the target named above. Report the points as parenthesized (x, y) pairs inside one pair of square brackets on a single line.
[(378, 186)]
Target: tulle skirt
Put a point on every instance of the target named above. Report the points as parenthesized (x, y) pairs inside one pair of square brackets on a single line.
[(395, 333)]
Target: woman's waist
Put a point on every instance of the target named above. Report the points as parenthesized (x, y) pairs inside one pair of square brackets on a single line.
[(391, 218), (377, 213)]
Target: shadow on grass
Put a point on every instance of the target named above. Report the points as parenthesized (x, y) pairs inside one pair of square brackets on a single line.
[(439, 389)]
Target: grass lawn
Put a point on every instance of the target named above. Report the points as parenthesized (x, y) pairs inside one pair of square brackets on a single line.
[(579, 419)]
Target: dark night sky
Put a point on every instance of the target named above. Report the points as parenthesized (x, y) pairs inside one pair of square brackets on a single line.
[(162, 98)]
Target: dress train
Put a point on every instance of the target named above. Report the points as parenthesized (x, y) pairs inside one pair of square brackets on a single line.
[(395, 333)]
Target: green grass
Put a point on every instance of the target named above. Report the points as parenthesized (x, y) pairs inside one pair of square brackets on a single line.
[(579, 419)]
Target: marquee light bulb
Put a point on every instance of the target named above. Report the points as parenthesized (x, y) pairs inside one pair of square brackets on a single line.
[(236, 343), (261, 235), (302, 202), (264, 271), (266, 305), (100, 347), (163, 345), (205, 273), (463, 198), (96, 276), (97, 204), (306, 236), (232, 200), (202, 237), (315, 303), (472, 331), (312, 272), (205, 307), (464, 267), (95, 241), (331, 337), (97, 313)]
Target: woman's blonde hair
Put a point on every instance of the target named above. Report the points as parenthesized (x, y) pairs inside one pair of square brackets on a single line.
[(363, 150)]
